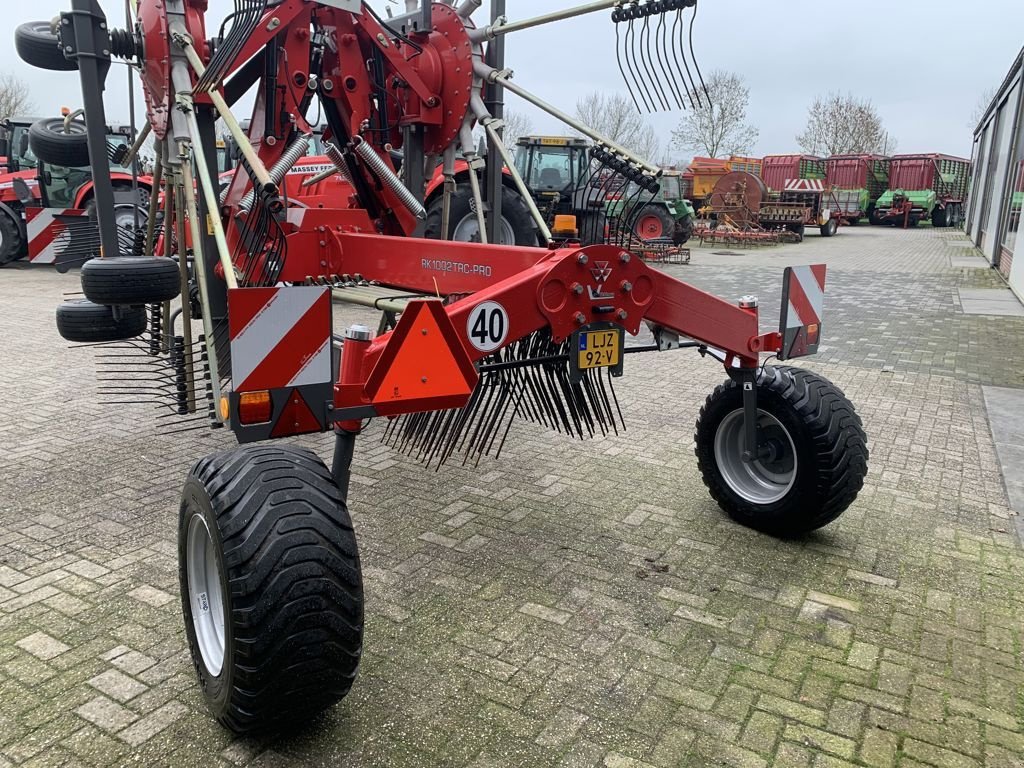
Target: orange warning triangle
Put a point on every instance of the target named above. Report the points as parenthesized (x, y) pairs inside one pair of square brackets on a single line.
[(297, 418), (424, 360)]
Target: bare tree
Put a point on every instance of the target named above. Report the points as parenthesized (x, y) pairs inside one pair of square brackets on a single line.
[(14, 97), (984, 100), (615, 117), (843, 125), (718, 125), (516, 124)]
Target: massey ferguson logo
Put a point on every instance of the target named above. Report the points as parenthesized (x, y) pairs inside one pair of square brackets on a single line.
[(601, 272)]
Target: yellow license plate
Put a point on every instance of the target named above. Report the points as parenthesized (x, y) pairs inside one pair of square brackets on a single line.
[(599, 349)]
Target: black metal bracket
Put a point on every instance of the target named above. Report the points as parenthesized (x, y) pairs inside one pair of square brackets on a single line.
[(747, 379), (341, 466), (85, 38)]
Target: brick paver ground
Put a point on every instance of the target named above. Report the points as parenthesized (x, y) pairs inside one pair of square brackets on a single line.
[(575, 603)]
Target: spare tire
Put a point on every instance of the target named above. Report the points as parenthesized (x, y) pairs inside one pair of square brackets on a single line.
[(80, 320), (131, 280), (37, 45), (51, 143)]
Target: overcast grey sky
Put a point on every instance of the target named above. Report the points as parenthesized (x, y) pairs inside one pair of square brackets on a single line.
[(924, 63)]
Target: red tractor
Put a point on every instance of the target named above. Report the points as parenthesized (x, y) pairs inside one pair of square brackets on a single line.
[(484, 335), (46, 193)]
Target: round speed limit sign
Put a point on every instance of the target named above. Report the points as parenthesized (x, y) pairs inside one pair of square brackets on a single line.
[(487, 326)]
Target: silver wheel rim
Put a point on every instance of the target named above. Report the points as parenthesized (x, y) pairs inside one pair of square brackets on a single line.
[(205, 595), (766, 479), (468, 231), (124, 219)]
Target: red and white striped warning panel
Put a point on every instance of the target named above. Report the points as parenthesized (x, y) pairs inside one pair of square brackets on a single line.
[(280, 337), (803, 296), (45, 227), (804, 185)]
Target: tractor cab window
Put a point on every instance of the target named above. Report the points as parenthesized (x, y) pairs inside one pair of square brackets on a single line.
[(551, 169), (670, 189), (547, 168), (61, 184), (20, 150)]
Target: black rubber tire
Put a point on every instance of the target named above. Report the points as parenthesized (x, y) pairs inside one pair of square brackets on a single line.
[(592, 227), (513, 210), (668, 224), (831, 450), (12, 242), (80, 320), (875, 217), (133, 280), (829, 228), (683, 231), (38, 46), (852, 222), (293, 623), (940, 216), (49, 142)]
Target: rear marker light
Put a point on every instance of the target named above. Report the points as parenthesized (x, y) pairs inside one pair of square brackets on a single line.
[(255, 407)]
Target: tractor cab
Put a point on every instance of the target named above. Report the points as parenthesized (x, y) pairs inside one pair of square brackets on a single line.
[(551, 165), (14, 144), (56, 186)]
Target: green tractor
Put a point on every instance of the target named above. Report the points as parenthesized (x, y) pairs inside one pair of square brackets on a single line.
[(666, 216), (557, 171)]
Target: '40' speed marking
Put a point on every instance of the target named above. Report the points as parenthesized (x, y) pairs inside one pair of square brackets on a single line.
[(487, 326)]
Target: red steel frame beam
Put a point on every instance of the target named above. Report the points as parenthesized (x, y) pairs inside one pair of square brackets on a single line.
[(562, 289)]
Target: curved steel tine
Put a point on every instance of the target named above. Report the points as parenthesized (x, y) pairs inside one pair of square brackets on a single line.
[(618, 59), (655, 85), (669, 74), (693, 55), (691, 90), (635, 68)]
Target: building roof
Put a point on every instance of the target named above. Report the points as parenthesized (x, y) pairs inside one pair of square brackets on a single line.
[(1017, 65)]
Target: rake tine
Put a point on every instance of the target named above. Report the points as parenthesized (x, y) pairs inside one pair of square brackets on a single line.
[(597, 383), (645, 41), (634, 68), (693, 55), (669, 75), (677, 37), (619, 47)]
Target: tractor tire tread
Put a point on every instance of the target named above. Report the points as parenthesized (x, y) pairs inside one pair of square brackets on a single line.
[(839, 446), (51, 145), (131, 280), (11, 238), (83, 321), (39, 47), (296, 610)]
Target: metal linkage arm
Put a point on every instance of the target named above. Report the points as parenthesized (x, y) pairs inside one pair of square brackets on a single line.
[(492, 75), (504, 27)]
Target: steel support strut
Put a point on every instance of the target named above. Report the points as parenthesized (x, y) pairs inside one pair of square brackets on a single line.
[(496, 106), (86, 39)]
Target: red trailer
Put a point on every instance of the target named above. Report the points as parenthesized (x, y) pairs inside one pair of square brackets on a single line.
[(925, 186), (859, 180), (776, 170)]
